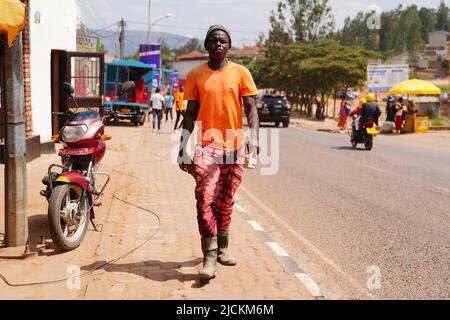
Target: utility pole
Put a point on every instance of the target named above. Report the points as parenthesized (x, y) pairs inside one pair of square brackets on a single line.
[(149, 32), (16, 220), (122, 26)]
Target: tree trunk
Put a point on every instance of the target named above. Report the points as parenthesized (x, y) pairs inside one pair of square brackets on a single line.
[(334, 107)]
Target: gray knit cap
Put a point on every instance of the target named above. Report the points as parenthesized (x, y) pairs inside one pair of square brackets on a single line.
[(215, 28)]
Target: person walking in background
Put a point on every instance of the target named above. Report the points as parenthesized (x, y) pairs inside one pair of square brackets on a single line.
[(408, 126), (179, 108), (157, 104), (390, 109), (370, 111), (319, 110), (342, 124), (399, 115), (168, 101), (357, 112)]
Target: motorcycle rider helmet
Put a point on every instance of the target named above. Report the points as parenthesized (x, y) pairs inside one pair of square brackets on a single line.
[(362, 101), (370, 98)]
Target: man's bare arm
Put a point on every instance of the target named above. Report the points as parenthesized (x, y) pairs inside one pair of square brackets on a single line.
[(253, 121), (188, 126)]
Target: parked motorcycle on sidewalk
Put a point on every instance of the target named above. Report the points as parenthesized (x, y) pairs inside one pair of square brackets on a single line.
[(367, 131), (73, 192)]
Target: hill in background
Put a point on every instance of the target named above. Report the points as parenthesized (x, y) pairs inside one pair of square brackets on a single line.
[(135, 37)]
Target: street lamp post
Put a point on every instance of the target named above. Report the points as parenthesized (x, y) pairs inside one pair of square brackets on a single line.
[(150, 25)]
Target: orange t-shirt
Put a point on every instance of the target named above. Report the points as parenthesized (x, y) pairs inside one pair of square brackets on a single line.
[(219, 95)]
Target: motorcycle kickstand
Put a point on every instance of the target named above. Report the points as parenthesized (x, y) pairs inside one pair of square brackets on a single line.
[(94, 225)]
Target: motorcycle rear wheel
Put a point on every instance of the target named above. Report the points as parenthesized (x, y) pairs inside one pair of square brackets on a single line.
[(368, 143), (67, 228)]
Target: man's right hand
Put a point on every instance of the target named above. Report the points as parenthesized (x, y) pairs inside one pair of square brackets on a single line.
[(183, 160)]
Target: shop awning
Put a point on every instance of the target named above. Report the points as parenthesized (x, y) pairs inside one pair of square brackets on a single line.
[(12, 19)]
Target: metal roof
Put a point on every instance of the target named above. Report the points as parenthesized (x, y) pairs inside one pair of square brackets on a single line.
[(130, 63)]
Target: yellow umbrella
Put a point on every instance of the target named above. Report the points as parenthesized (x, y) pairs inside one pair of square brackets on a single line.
[(415, 87), (12, 18)]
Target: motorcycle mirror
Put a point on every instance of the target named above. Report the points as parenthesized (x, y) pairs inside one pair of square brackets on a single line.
[(127, 86), (68, 88)]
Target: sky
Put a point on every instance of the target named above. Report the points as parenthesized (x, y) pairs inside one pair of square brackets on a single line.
[(245, 18)]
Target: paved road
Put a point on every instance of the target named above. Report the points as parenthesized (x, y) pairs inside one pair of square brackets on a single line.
[(345, 214)]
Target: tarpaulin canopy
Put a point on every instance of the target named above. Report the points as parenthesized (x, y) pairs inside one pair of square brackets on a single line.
[(415, 87), (12, 18)]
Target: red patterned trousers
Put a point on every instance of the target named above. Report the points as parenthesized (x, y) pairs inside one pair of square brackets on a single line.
[(218, 175)]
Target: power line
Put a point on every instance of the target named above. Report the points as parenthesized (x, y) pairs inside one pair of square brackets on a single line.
[(92, 32), (187, 27), (95, 10)]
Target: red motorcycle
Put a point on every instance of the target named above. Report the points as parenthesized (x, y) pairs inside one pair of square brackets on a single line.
[(73, 192)]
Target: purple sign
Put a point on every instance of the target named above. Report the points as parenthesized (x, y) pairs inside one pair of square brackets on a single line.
[(176, 79), (151, 54), (156, 78)]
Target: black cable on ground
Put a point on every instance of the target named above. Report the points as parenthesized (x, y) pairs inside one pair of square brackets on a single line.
[(84, 274)]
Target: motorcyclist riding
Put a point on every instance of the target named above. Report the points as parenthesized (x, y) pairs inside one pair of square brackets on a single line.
[(370, 111), (357, 112)]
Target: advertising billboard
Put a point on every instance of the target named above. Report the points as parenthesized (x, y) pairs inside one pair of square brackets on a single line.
[(381, 78), (88, 44), (151, 54)]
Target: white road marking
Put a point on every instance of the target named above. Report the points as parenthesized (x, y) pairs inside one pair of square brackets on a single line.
[(309, 283), (308, 244), (277, 249), (255, 225)]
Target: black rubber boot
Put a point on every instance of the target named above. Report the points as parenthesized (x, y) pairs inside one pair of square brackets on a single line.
[(209, 249), (223, 256)]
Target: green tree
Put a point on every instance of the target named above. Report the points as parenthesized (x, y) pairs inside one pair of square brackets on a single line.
[(167, 57), (412, 26), (442, 17), (278, 34), (428, 17), (300, 21), (307, 71), (133, 57), (193, 44)]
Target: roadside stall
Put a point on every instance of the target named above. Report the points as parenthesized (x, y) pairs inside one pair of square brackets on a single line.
[(417, 88)]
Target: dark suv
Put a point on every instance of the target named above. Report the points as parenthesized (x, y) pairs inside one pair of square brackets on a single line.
[(273, 108)]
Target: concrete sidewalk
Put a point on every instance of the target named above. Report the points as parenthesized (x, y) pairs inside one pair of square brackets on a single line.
[(150, 203)]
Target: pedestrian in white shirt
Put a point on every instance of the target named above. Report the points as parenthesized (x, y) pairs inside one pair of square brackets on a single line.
[(158, 106)]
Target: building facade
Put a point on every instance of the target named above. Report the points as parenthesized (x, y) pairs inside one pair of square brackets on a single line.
[(52, 25)]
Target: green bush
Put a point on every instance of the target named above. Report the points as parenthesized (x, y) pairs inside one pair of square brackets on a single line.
[(430, 112), (438, 122)]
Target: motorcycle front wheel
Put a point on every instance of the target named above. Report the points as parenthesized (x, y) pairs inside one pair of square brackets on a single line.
[(353, 140), (67, 226)]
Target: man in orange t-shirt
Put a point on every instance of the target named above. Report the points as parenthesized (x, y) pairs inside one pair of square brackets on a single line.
[(216, 92)]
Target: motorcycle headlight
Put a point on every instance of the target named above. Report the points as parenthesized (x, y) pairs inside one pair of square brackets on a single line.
[(73, 133)]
